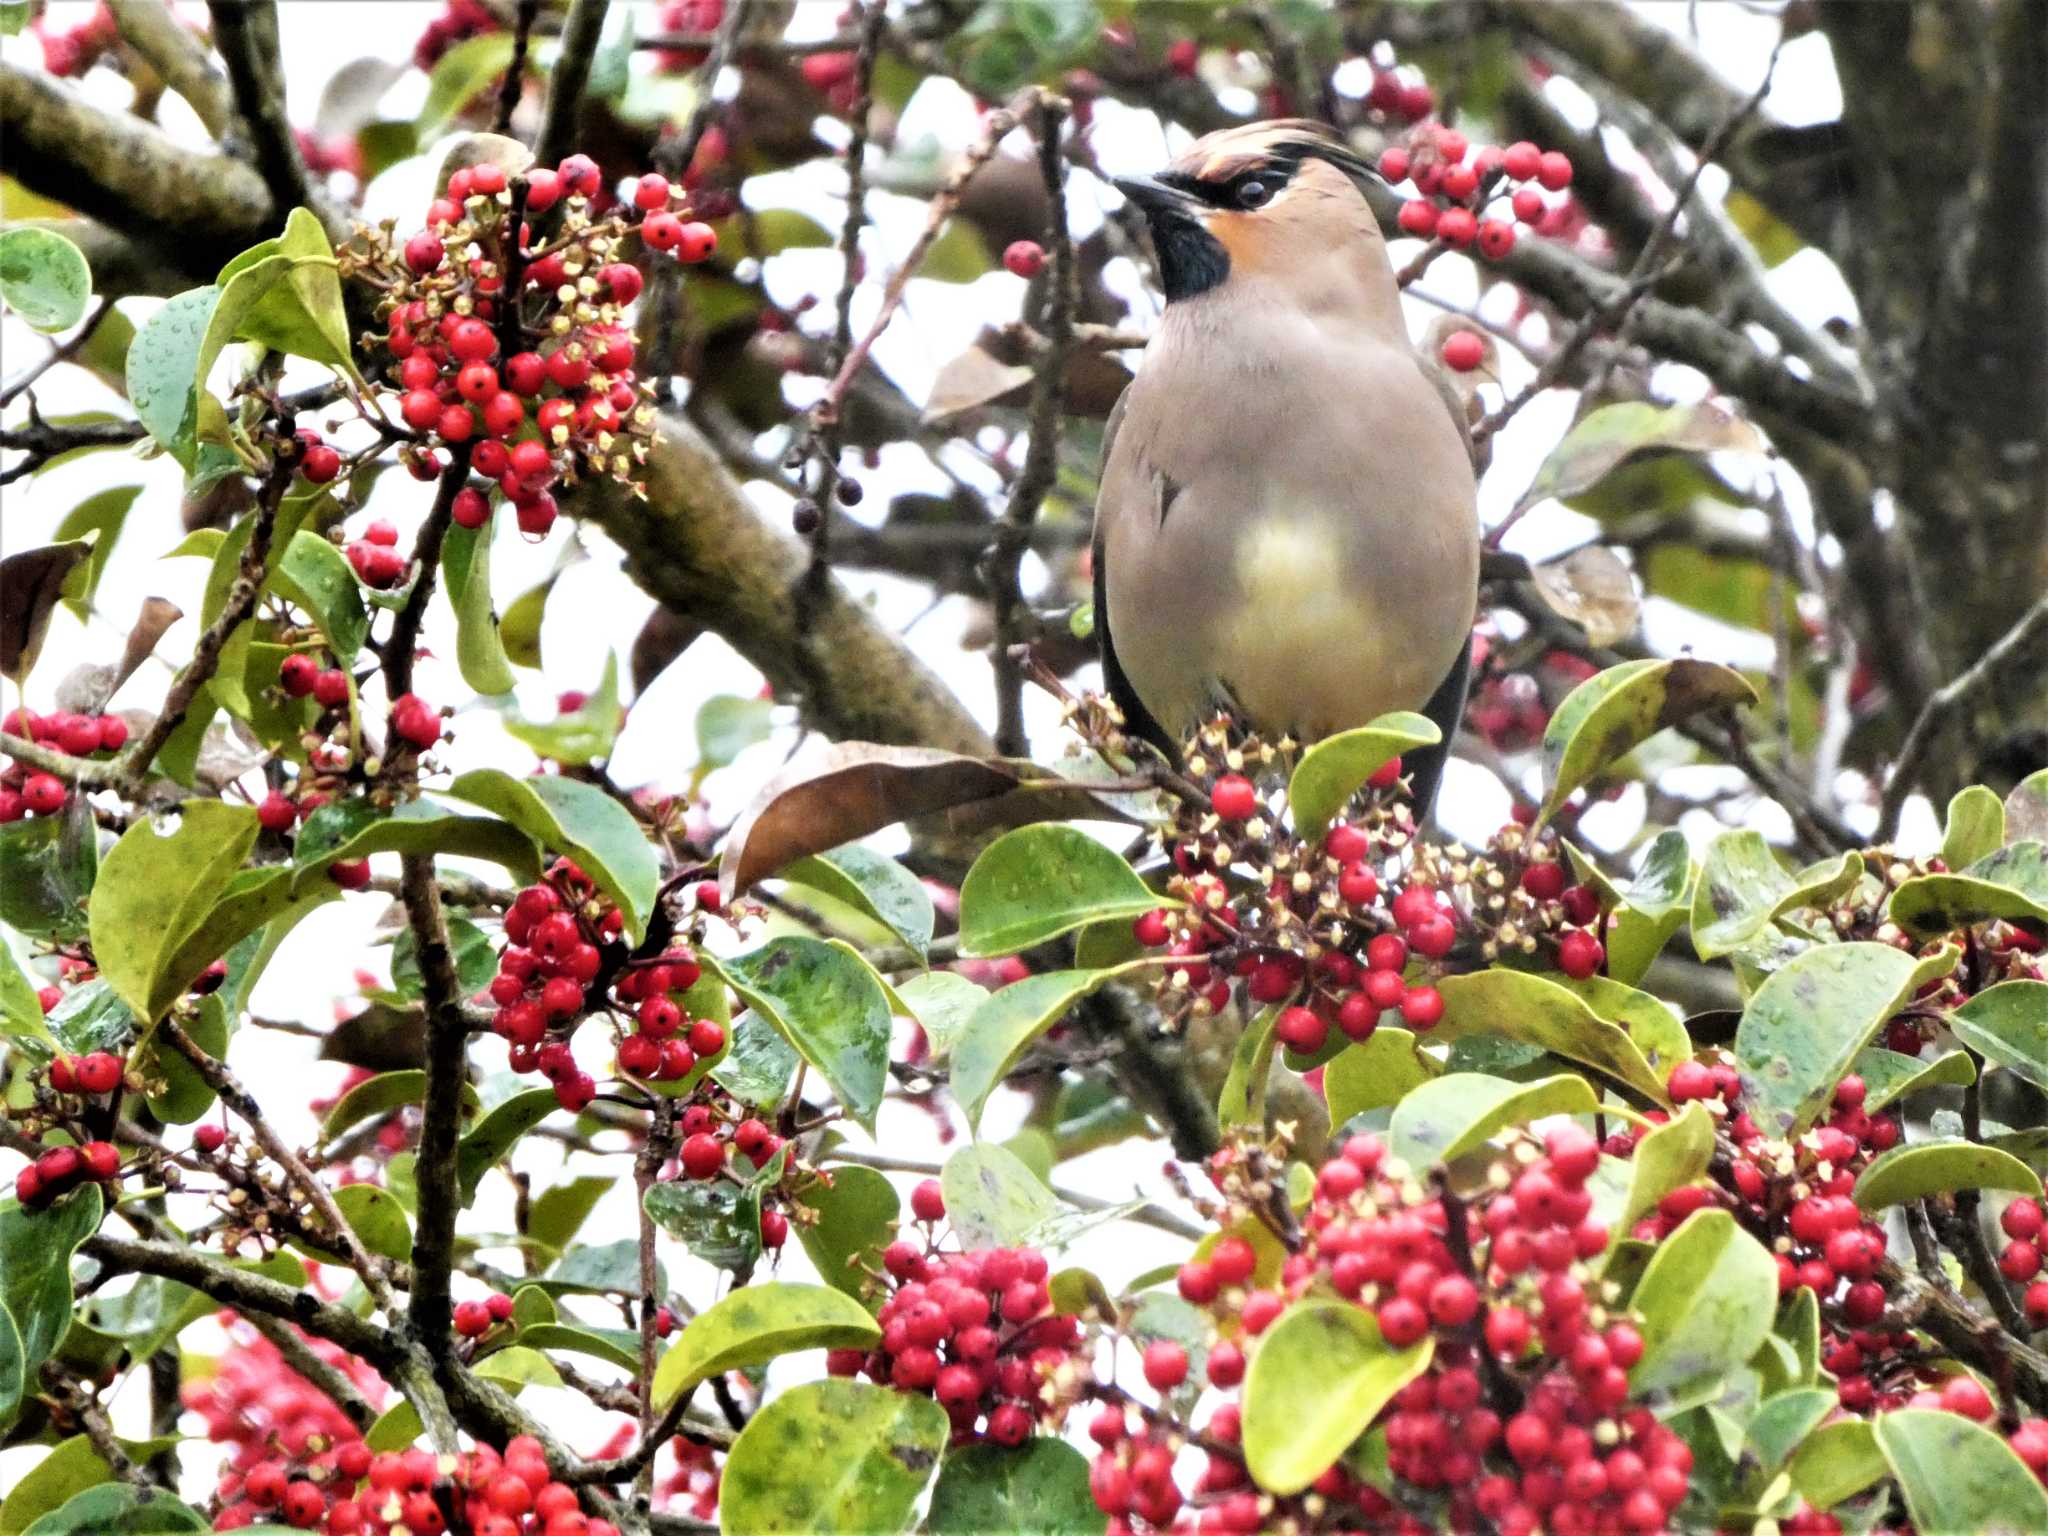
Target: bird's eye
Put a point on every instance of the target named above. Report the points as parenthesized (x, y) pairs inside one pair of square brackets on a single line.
[(1255, 193)]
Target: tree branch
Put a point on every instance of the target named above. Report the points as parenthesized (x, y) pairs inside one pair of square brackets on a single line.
[(172, 51), (245, 32), (580, 32), (441, 1115)]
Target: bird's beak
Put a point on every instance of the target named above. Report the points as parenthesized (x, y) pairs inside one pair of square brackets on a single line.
[(1152, 198)]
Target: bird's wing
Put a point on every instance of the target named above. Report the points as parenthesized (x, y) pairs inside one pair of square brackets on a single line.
[(1137, 719)]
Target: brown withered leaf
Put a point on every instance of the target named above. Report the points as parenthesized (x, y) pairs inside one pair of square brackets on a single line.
[(973, 379), (860, 787), (1593, 588), (1609, 436), (30, 584), (151, 624)]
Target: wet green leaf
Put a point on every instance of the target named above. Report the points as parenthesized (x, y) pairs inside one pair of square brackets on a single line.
[(1040, 881), (1975, 828), (72, 1492), (1243, 1099), (479, 652), (579, 820), (829, 1005), (315, 577), (992, 1198), (943, 1002), (1320, 1375), (162, 364), (2008, 1026), (1743, 889), (100, 517), (2011, 884), (486, 1144), (155, 890), (35, 1275), (583, 735), (727, 725), (1442, 1120), (1670, 1157), (43, 278), (875, 884), (47, 869), (1837, 1462), (759, 1323), (1535, 1010), (1806, 1024), (459, 76), (186, 1096), (560, 1210), (1375, 1073), (867, 1455), (1887, 1075), (92, 1018), (284, 294), (1038, 1489), (1649, 909), (1607, 716), (1706, 1301), (1004, 1025)]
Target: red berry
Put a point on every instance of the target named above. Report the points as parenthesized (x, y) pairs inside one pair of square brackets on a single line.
[(1422, 1007), (928, 1201), (424, 253), (1496, 239), (102, 1161), (1554, 171), (470, 509), (1182, 56), (1456, 227), (472, 1318), (1300, 1029), (44, 793), (350, 874), (113, 733), (321, 464), (1528, 204), (99, 1072), (2022, 1218), (1418, 218), (1463, 351), (707, 1037), (209, 1138), (1233, 798), (1024, 258), (1393, 163), (703, 1156), (1166, 1364), (1579, 954), (650, 194)]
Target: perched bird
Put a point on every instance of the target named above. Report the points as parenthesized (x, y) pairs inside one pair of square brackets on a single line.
[(1287, 525)]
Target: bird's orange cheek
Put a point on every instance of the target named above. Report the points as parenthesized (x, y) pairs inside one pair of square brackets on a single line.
[(1240, 238)]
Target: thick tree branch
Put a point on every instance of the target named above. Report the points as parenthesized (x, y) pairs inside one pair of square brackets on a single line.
[(199, 209), (698, 545), (441, 1115), (168, 44), (245, 32), (580, 32)]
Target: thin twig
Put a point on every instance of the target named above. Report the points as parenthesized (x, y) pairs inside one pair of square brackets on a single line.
[(510, 88), (62, 352), (332, 1383), (400, 648), (2013, 652), (580, 34), (245, 33), (1041, 457)]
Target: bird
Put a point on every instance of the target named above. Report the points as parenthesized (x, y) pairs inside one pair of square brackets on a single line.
[(1286, 528)]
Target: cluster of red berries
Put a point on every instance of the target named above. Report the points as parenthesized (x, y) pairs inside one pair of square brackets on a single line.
[(93, 1075), (302, 677), (1456, 185), (295, 1453), (568, 401), (1507, 707), (2025, 1250), (699, 18), (59, 1170), (25, 791), (695, 1478), (475, 1318), (374, 556), (460, 21), (974, 1330)]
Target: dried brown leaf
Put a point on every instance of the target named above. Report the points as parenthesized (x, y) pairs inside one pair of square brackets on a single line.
[(1594, 589), (30, 584), (972, 379)]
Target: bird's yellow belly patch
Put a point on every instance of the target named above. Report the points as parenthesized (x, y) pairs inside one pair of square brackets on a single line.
[(1306, 650)]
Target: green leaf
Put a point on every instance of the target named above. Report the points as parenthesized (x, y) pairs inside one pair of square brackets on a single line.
[(1656, 1030), (1975, 827), (579, 1341), (118, 1509), (479, 652), (162, 365), (1743, 890), (2008, 1026), (560, 1210), (1334, 769), (1958, 1476), (1004, 1025), (459, 76), (1804, 1027), (958, 255), (836, 1458), (354, 829), (1783, 1421), (759, 1323), (875, 884), (579, 820), (1670, 1157), (497, 1133), (1320, 1375), (1939, 1167), (1242, 1101), (43, 278), (35, 1273), (829, 1005), (760, 1065), (1040, 881), (379, 1221), (1604, 718), (2026, 809), (1603, 439), (1038, 1489), (91, 1018), (47, 869), (719, 1221), (992, 1198), (1887, 1075), (155, 890), (944, 1002), (378, 1096), (605, 1269), (585, 734), (101, 517), (1706, 1301), (1538, 1011), (1837, 1462), (2011, 884), (1374, 1073), (1649, 909), (476, 960), (186, 1096), (857, 1213), (12, 1364), (1443, 1120), (727, 725), (315, 577)]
